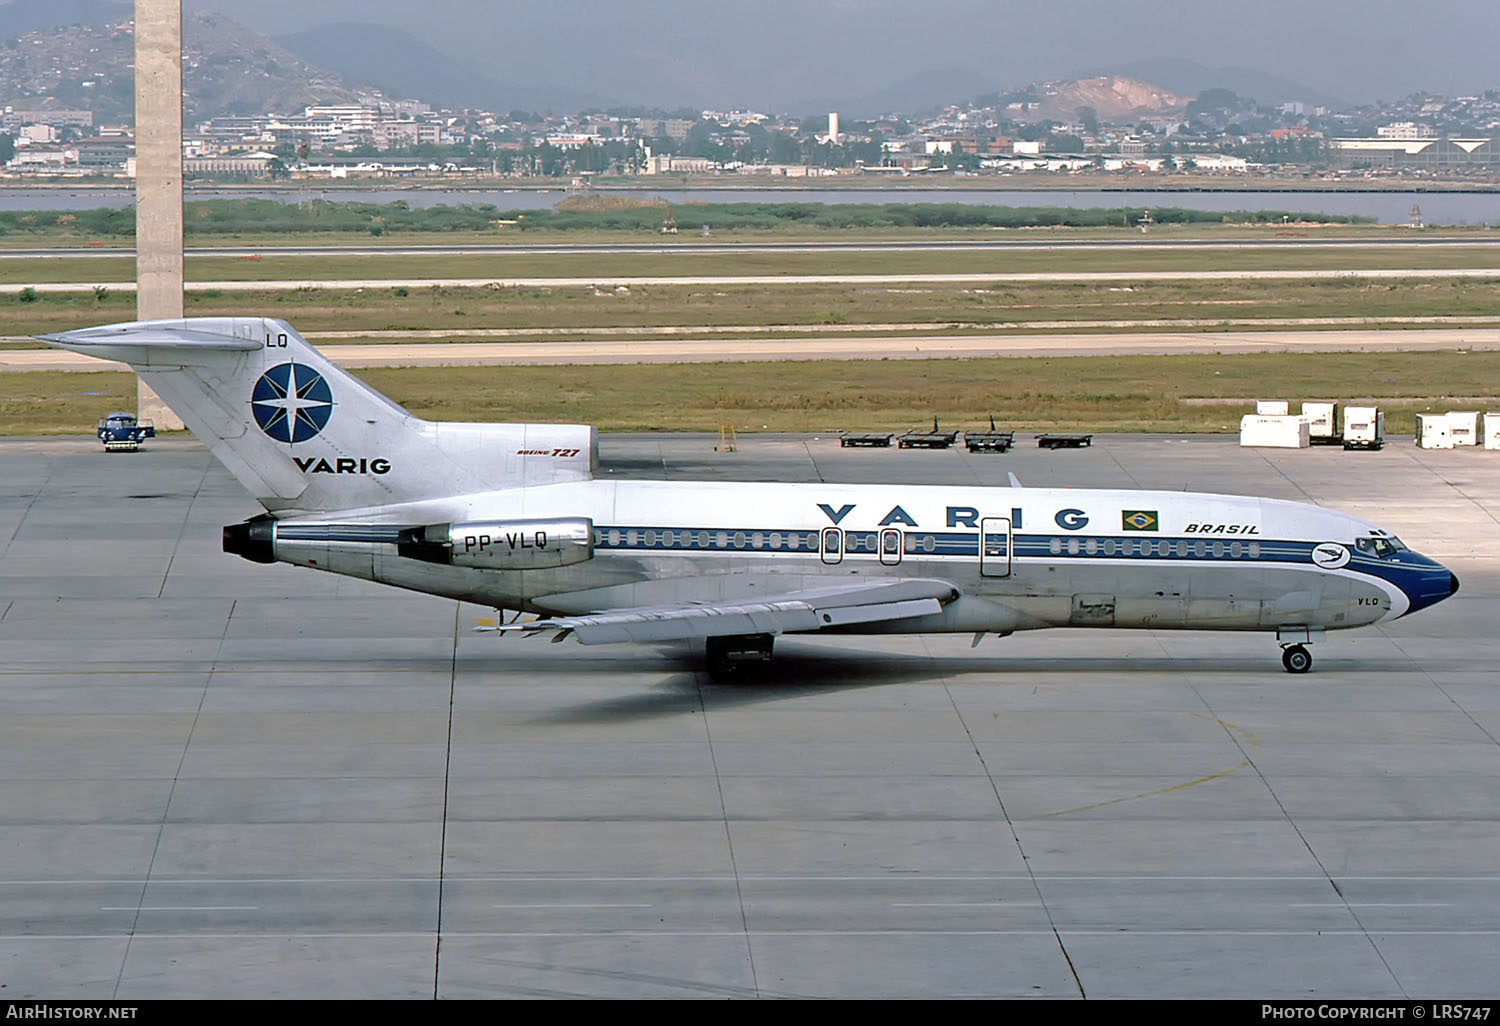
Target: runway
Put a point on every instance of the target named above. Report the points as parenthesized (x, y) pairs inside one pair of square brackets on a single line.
[(702, 246), (226, 780), (631, 281), (628, 349)]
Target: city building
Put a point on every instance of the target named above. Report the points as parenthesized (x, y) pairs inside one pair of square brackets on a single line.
[(1405, 130), (238, 165), (1416, 154), (12, 118)]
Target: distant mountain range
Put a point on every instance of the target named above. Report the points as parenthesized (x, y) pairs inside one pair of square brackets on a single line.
[(929, 90), (1189, 78), (21, 17), (227, 69), (1112, 98), (1177, 80), (403, 65), (230, 68)]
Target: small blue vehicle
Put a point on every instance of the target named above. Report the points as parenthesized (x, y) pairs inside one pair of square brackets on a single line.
[(121, 432)]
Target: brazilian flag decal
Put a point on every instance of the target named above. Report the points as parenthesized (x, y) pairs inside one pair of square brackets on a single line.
[(1139, 520)]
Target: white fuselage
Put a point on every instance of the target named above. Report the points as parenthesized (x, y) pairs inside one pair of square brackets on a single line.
[(1051, 557)]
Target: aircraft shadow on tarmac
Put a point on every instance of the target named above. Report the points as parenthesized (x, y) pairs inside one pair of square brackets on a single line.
[(804, 672), (794, 674)]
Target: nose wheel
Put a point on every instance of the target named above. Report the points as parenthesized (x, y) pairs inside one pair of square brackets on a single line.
[(1296, 659)]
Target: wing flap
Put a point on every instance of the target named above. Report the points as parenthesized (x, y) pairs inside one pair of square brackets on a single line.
[(879, 611), (781, 614), (684, 622)]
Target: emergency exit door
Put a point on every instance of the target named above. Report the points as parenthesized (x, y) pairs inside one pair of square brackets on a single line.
[(994, 547)]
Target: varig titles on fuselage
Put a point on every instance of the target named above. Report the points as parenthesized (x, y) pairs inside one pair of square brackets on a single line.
[(1069, 518), (954, 516)]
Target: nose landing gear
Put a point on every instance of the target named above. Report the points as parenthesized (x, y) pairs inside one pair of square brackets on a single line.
[(1296, 659), (1294, 641)]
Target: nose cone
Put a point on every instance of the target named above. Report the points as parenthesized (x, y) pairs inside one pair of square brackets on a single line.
[(1428, 584)]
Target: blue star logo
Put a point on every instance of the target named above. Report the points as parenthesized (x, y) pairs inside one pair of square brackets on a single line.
[(291, 403)]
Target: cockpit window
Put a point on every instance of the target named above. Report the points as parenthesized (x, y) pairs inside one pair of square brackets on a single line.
[(1379, 547)]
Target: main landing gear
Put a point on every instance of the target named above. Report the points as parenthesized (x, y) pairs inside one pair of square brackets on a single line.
[(735, 656), (1296, 659)]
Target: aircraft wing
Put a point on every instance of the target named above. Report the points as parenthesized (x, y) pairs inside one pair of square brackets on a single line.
[(807, 610)]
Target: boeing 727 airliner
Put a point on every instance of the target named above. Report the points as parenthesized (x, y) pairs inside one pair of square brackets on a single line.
[(511, 516)]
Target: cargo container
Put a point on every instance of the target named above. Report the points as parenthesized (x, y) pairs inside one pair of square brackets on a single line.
[(1364, 428), (1463, 427), (1322, 422), (1273, 432), (1271, 408), (1491, 429), (1433, 431)]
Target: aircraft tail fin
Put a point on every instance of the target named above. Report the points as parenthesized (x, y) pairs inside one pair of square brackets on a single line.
[(304, 435)]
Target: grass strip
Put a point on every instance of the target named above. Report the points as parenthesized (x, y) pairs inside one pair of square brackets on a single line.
[(1114, 394)]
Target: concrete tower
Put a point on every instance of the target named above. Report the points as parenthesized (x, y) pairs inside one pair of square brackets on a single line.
[(158, 176)]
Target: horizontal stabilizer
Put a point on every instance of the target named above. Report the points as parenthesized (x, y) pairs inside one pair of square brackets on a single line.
[(150, 344)]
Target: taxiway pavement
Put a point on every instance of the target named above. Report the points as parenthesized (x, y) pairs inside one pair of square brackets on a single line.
[(220, 779), (577, 281), (626, 349)]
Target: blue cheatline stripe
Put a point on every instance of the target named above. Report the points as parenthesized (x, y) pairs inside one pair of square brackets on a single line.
[(946, 544), (718, 539), (917, 544), (866, 542)]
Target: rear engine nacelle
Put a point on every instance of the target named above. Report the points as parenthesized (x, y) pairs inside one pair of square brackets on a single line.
[(502, 544)]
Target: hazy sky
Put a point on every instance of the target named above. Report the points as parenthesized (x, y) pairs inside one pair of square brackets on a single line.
[(765, 52)]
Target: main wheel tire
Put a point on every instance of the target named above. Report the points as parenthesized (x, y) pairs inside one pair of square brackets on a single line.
[(737, 657), (723, 670), (1296, 659)]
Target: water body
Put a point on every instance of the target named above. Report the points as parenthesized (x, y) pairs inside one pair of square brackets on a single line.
[(1437, 208)]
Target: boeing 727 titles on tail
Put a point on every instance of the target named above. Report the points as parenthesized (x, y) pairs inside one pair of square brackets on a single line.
[(511, 516)]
